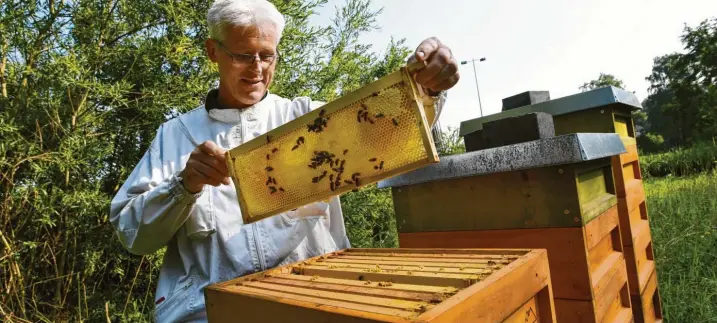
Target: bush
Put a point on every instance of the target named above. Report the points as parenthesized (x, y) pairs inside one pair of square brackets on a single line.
[(699, 158)]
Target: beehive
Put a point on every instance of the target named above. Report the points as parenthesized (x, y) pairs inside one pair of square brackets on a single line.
[(393, 285), (607, 110), (372, 133), (554, 193)]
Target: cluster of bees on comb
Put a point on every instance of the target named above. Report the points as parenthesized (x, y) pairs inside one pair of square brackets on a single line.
[(324, 158)]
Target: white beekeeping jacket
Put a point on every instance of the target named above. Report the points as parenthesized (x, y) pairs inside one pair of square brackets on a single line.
[(206, 239)]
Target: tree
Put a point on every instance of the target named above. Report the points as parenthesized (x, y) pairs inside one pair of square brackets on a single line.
[(602, 81), (83, 87), (682, 97)]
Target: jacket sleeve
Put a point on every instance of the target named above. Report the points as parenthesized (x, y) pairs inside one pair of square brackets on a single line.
[(151, 205)]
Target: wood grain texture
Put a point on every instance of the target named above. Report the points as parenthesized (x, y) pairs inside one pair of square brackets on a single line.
[(632, 211), (647, 307), (547, 197), (611, 305), (497, 284), (567, 254)]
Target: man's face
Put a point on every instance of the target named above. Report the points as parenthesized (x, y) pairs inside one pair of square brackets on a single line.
[(243, 78)]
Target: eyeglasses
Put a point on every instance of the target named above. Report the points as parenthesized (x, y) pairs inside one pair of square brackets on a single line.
[(240, 59)]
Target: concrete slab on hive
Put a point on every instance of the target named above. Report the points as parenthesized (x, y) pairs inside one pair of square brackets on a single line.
[(566, 149)]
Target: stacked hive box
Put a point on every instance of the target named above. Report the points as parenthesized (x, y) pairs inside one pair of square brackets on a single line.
[(605, 110), (555, 193), (393, 285)]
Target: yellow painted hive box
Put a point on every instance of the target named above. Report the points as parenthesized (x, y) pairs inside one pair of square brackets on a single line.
[(393, 285)]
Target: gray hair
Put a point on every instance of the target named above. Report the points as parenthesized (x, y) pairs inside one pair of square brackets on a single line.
[(242, 13)]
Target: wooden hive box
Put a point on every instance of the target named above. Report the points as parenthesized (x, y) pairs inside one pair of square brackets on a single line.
[(608, 110), (393, 285), (556, 193)]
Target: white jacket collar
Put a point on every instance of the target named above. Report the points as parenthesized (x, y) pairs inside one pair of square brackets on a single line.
[(233, 116)]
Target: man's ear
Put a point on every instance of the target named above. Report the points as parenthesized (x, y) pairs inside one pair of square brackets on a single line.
[(211, 50)]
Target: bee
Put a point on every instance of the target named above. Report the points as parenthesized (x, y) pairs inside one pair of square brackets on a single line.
[(272, 189), (268, 181), (268, 139), (379, 167), (300, 140), (312, 166), (348, 182), (354, 175), (315, 179), (374, 94), (379, 116), (395, 123), (364, 106), (267, 156), (321, 114), (281, 189), (331, 177), (375, 167), (346, 151), (294, 148), (269, 168), (332, 186), (370, 121), (372, 159), (273, 180), (342, 165), (354, 190), (274, 150)]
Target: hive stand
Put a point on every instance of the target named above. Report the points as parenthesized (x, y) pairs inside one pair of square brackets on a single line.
[(554, 193), (393, 285), (604, 110)]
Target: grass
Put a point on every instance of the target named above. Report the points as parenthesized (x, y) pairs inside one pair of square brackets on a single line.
[(692, 160), (683, 217)]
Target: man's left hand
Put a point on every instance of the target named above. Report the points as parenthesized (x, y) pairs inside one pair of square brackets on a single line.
[(441, 71)]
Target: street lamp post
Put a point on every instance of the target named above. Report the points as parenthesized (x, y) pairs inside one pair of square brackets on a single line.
[(475, 74)]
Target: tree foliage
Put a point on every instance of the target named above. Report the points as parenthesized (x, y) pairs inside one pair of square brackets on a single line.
[(602, 81), (83, 87), (682, 104)]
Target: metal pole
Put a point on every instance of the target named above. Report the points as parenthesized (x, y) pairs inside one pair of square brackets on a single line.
[(475, 74)]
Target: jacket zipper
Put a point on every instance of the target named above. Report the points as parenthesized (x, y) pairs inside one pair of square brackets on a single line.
[(259, 250)]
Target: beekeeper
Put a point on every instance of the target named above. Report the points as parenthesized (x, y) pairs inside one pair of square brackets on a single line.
[(179, 195)]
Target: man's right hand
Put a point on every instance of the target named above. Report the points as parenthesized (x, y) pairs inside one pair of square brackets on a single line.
[(206, 165)]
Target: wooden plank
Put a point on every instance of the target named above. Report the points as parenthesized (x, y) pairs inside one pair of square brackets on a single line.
[(495, 298), (448, 269), (226, 306), (628, 157), (401, 276), (632, 212), (612, 305), (614, 297), (647, 307), (447, 263), (590, 120), (640, 265), (393, 303), (597, 230), (528, 313), (412, 289), (471, 253), (566, 251), (428, 260)]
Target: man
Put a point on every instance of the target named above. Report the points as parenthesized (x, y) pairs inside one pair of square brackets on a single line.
[(180, 195)]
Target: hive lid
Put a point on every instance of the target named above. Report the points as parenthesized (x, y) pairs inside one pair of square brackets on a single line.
[(389, 285), (375, 132), (573, 103), (560, 150)]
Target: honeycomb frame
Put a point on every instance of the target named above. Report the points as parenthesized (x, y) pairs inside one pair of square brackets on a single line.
[(375, 132)]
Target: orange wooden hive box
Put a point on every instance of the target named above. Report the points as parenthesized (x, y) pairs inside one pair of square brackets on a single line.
[(606, 110), (393, 285)]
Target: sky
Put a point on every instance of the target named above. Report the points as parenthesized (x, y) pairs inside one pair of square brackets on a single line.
[(536, 45)]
